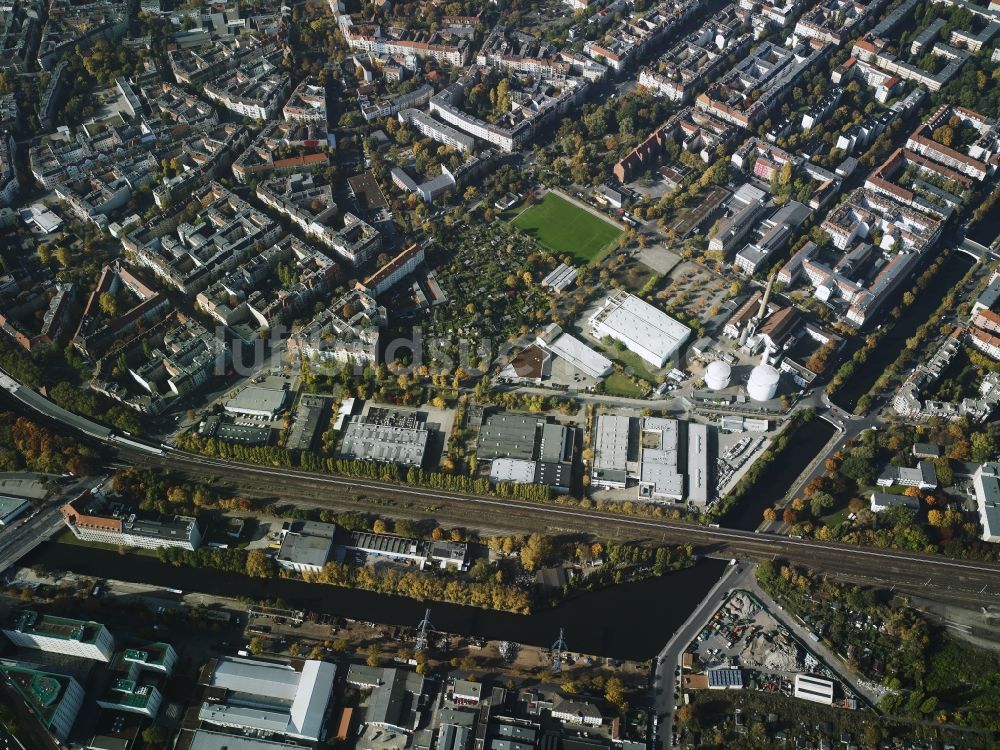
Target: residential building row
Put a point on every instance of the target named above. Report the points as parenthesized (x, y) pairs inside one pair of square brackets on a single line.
[(189, 256), (283, 146), (348, 331), (835, 21), (516, 128), (909, 400), (694, 130), (687, 65), (636, 35), (760, 82), (247, 300), (38, 316), (171, 359), (409, 44), (75, 23)]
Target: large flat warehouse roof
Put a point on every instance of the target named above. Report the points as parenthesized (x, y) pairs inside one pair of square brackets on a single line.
[(581, 356), (644, 329)]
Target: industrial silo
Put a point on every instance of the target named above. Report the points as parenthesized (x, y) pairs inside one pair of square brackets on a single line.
[(717, 375)]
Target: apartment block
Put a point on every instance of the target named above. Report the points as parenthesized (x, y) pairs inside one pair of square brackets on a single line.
[(59, 635), (345, 332), (759, 82)]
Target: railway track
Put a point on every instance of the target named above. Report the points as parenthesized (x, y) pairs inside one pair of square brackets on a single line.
[(967, 581)]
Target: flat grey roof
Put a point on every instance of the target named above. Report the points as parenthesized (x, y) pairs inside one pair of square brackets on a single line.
[(175, 528), (508, 435), (557, 443), (394, 701), (557, 475), (581, 356), (206, 740), (697, 463), (453, 737), (271, 696), (11, 506), (611, 442), (302, 549), (307, 418), (517, 732), (388, 444), (385, 544), (991, 294), (314, 528), (637, 323), (255, 400), (242, 433), (663, 478), (24, 484), (895, 501)]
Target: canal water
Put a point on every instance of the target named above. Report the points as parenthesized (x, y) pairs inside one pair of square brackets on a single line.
[(892, 343), (777, 477), (986, 231), (628, 621)]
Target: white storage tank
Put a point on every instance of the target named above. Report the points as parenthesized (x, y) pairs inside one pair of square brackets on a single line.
[(763, 383), (717, 375)]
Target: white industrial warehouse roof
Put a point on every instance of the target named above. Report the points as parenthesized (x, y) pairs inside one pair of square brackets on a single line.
[(257, 400), (257, 678), (513, 470), (272, 697), (630, 320), (581, 356)]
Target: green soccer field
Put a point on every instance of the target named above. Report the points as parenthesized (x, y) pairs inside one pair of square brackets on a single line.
[(565, 229)]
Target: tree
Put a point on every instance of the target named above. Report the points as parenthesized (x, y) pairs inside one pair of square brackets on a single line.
[(944, 135), (256, 645), (258, 564), (374, 655), (155, 736), (536, 550), (481, 570), (614, 693), (770, 514), (785, 174), (859, 469), (819, 502), (109, 304), (339, 645), (379, 526), (687, 713), (984, 447)]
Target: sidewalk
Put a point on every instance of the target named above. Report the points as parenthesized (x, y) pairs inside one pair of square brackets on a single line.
[(669, 658)]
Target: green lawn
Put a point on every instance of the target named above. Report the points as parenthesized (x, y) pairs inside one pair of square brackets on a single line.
[(618, 384), (637, 364), (565, 229), (837, 517)]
